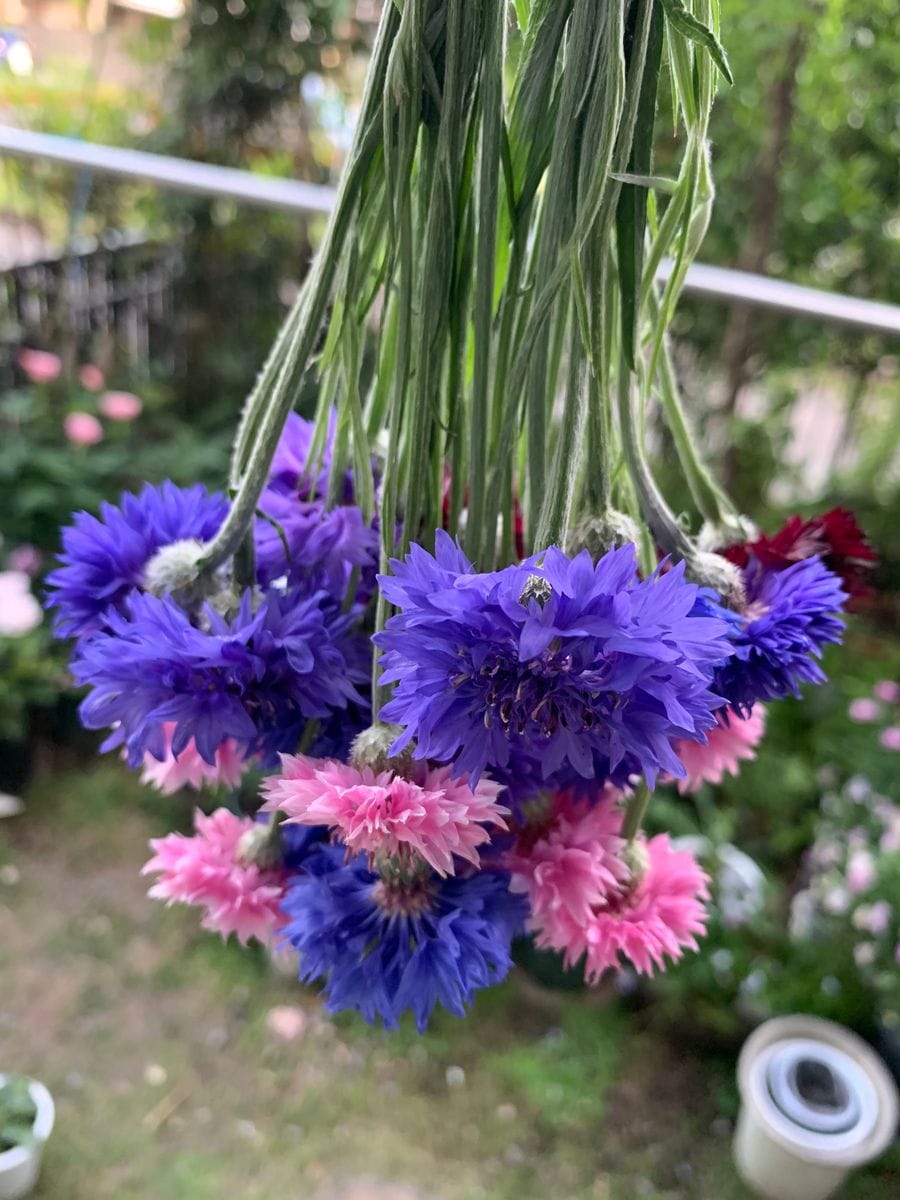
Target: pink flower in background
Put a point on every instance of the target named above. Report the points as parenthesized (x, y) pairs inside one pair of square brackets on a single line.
[(120, 406), (861, 873), (890, 737), (20, 611), (732, 741), (83, 429), (40, 365), (659, 918), (873, 918), (205, 870), (434, 814), (890, 839), (91, 377), (571, 868), (864, 710), (25, 558), (190, 770), (887, 690)]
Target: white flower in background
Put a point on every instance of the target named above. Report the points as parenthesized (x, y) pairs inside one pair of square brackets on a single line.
[(864, 954), (858, 789), (740, 883), (836, 900), (802, 920), (20, 611)]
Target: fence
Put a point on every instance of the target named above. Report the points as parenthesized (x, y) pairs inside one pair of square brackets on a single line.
[(293, 196), (117, 289)]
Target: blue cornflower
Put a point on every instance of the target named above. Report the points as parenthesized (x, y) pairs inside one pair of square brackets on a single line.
[(257, 677), (303, 540), (297, 536), (104, 557), (290, 471), (384, 949), (791, 615), (574, 663)]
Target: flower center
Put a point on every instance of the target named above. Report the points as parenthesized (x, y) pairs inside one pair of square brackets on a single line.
[(541, 695), (409, 899)]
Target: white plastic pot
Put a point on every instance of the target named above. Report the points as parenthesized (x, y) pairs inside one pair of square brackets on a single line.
[(20, 1167), (816, 1102)]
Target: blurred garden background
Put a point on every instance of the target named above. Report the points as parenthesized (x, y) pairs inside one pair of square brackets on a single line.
[(133, 320)]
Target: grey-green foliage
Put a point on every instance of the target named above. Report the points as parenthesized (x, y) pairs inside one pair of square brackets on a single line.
[(496, 234)]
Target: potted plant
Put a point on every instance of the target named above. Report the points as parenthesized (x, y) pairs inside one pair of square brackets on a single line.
[(26, 1121)]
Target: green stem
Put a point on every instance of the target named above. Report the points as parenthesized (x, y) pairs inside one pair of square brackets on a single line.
[(659, 516), (267, 414), (635, 812)]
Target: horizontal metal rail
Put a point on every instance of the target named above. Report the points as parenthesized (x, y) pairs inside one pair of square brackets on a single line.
[(177, 174), (289, 195)]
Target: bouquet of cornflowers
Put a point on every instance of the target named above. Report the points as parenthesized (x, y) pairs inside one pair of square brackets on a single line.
[(453, 616)]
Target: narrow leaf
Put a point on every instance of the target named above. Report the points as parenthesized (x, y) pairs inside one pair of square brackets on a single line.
[(654, 183), (690, 27)]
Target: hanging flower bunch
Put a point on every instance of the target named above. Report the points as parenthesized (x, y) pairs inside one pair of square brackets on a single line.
[(452, 619)]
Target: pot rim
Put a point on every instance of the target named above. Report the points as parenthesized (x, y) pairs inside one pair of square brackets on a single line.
[(798, 1026), (43, 1127)]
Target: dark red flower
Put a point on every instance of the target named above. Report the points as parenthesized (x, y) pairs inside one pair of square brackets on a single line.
[(834, 536)]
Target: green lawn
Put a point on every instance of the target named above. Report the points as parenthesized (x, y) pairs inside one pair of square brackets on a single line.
[(155, 1040)]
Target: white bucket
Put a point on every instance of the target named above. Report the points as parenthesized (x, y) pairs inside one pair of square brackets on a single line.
[(20, 1167), (816, 1101)]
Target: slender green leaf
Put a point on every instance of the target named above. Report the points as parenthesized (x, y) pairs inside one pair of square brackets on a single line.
[(682, 19)]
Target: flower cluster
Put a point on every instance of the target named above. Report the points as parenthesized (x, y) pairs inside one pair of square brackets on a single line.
[(499, 789), (197, 685)]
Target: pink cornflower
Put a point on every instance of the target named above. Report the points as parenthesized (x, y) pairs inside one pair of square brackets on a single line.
[(90, 377), (205, 870), (731, 741), (570, 869), (20, 612), (887, 690), (591, 906), (170, 774), (120, 406), (40, 365), (890, 737), (864, 710), (432, 813), (659, 918), (873, 918), (83, 429)]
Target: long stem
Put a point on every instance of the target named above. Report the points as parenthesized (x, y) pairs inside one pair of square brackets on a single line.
[(635, 812), (266, 415), (659, 516)]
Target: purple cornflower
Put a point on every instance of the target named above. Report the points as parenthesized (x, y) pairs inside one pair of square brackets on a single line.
[(104, 557), (557, 658), (257, 678), (296, 536), (289, 472), (383, 949), (302, 540), (791, 615)]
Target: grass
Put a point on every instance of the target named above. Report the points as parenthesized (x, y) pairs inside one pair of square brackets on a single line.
[(155, 1041)]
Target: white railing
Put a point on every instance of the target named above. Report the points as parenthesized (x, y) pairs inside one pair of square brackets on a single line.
[(291, 195)]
